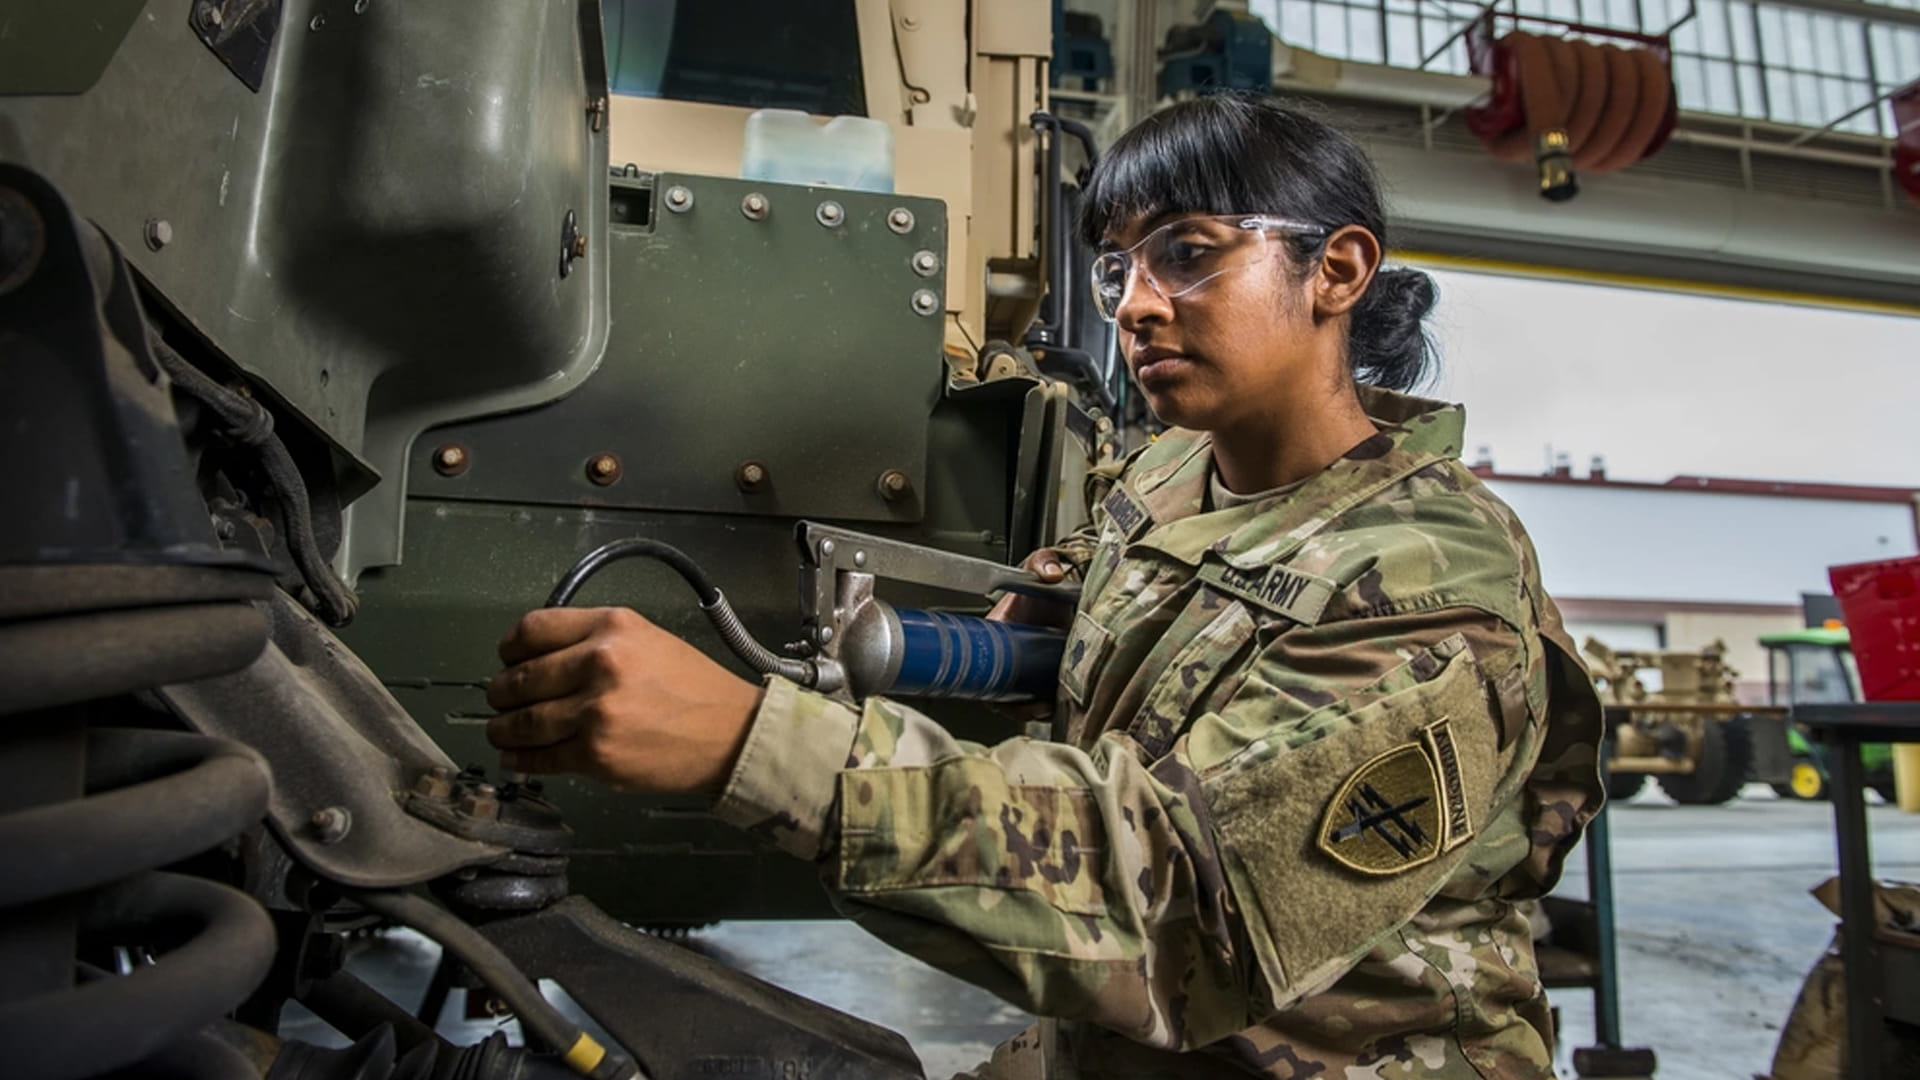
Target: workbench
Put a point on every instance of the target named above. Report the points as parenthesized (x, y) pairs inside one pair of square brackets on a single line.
[(1882, 965)]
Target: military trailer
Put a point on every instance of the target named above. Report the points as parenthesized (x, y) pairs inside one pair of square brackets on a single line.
[(1688, 733)]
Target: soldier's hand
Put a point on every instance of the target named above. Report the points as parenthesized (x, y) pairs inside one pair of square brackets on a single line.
[(1048, 566), (604, 693)]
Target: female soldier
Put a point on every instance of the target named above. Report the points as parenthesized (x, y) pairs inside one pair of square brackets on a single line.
[(1321, 727)]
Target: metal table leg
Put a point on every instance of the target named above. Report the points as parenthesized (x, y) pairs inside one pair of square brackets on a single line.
[(1858, 949), (1606, 995)]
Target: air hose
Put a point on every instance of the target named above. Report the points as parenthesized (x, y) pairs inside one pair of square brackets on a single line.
[(712, 603), (1572, 104), (582, 1052)]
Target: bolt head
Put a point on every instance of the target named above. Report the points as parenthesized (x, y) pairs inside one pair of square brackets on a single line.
[(450, 460), (331, 824), (679, 199), (895, 485), (603, 469), (830, 213), (826, 634), (926, 263), (900, 219), (859, 558), (925, 302), (434, 784), (159, 233), (754, 206)]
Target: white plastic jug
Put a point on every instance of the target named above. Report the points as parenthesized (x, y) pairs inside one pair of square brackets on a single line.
[(790, 147)]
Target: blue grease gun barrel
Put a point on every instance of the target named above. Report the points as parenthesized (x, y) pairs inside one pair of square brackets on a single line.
[(908, 652)]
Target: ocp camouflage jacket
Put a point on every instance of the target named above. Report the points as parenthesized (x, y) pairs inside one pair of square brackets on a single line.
[(1312, 751)]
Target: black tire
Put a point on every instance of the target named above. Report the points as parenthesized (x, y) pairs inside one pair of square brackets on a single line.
[(1622, 786), (1726, 753)]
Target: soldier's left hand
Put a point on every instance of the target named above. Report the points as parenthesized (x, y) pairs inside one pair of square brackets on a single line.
[(604, 693)]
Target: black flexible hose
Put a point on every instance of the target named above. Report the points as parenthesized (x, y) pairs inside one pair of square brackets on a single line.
[(636, 547), (714, 605), (249, 422), (537, 1015)]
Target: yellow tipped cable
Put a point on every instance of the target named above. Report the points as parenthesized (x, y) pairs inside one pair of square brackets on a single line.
[(585, 1055), (538, 1017)]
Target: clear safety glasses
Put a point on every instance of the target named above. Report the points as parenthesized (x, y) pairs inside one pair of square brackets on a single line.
[(1183, 255)]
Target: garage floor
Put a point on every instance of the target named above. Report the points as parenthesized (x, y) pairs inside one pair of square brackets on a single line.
[(1716, 932)]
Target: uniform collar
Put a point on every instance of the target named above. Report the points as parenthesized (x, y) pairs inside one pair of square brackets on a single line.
[(1171, 483)]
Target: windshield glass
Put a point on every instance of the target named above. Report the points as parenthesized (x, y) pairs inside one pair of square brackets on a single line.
[(761, 54), (1822, 675)]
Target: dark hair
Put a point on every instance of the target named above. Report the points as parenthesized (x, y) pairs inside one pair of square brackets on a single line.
[(1229, 153)]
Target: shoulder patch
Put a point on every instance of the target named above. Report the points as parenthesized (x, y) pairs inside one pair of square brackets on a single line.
[(1126, 513), (1400, 809), (1279, 589)]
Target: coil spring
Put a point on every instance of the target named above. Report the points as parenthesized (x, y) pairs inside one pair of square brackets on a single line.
[(83, 871)]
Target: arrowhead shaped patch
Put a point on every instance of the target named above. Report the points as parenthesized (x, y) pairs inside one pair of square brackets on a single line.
[(1399, 810)]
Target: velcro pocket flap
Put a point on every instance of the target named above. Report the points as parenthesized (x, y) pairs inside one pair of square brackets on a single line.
[(1335, 843)]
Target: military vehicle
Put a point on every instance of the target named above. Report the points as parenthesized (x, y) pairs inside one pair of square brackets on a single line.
[(1815, 666), (337, 331), (1688, 732)]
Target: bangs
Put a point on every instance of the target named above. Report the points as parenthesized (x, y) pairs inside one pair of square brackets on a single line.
[(1191, 158)]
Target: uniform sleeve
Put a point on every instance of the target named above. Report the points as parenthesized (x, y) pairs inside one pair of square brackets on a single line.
[(1099, 884)]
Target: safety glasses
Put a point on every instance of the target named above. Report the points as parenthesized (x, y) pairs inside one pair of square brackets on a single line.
[(1183, 255)]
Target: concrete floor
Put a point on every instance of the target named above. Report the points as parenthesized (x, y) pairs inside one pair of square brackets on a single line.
[(1716, 931)]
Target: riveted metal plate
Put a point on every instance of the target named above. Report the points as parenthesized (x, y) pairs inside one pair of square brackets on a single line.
[(775, 340)]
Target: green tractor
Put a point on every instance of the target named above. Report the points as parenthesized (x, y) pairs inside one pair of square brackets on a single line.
[(1815, 666)]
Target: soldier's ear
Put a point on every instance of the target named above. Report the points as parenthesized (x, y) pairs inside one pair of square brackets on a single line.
[(1347, 264)]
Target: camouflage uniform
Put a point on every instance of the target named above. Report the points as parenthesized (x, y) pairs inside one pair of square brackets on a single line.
[(1313, 750)]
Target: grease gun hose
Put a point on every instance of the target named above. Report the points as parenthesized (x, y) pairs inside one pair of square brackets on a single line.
[(714, 605)]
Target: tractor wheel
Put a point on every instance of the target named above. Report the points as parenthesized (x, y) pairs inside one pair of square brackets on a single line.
[(1804, 781), (1622, 786), (1726, 752)]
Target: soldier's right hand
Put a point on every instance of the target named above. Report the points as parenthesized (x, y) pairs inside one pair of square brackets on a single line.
[(1047, 565)]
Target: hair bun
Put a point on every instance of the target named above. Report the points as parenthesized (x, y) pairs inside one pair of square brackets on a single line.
[(1388, 333)]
